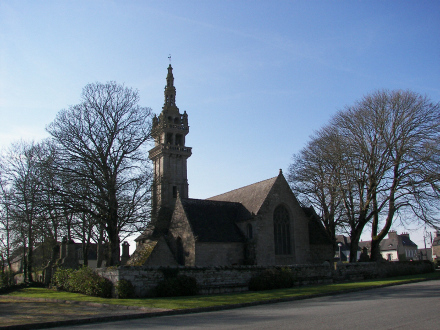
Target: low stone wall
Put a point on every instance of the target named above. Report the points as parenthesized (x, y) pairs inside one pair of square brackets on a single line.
[(368, 270), (235, 279), (211, 279)]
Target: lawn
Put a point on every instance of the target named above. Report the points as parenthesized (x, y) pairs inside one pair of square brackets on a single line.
[(223, 299)]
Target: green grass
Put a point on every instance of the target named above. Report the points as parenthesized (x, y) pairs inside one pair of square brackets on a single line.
[(222, 299)]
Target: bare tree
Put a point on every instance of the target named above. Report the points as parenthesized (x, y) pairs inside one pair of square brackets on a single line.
[(101, 145), (22, 172), (396, 136), (384, 157), (7, 234), (314, 177)]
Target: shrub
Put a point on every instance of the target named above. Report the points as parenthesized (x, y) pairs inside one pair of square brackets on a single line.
[(61, 278), (180, 285), (6, 279), (83, 280), (273, 278), (124, 289)]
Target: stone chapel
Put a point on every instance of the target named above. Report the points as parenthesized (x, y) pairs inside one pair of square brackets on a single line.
[(259, 224)]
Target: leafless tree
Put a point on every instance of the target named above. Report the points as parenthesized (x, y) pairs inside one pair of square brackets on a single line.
[(6, 226), (22, 172), (314, 177), (395, 135), (384, 152), (102, 156)]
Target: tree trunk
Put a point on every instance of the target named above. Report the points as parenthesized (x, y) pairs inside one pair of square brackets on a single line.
[(112, 226), (354, 245), (30, 256), (113, 237), (99, 248)]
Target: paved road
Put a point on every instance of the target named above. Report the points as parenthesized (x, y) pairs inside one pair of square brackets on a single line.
[(411, 306)]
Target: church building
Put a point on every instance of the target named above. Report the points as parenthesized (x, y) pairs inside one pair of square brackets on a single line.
[(259, 224)]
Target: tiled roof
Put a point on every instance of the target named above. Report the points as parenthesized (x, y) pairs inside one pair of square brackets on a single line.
[(252, 196), (215, 221)]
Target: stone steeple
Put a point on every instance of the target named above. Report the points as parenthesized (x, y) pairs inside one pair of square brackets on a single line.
[(169, 157)]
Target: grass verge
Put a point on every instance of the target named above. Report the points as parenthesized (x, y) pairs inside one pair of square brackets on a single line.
[(222, 299)]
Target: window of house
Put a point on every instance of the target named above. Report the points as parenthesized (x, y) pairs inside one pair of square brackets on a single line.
[(281, 229)]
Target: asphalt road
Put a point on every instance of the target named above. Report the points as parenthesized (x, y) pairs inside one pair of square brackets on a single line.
[(410, 306)]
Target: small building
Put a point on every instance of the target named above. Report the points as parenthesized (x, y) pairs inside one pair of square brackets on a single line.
[(398, 247), (42, 254), (436, 246), (394, 248), (424, 254)]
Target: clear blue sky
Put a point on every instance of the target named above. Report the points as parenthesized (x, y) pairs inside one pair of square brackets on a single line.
[(255, 77)]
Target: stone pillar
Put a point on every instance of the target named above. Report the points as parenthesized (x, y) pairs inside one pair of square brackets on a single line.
[(125, 253)]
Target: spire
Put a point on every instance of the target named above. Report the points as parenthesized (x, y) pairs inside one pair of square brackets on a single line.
[(170, 92)]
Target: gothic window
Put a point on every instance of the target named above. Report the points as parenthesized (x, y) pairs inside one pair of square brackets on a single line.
[(174, 191), (281, 229)]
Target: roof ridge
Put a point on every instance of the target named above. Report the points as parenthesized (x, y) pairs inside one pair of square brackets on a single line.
[(247, 186)]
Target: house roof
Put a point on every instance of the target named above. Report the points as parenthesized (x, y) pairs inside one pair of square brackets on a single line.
[(215, 221), (391, 243), (251, 196)]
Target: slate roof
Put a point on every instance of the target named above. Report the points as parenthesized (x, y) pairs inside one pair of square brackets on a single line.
[(317, 233), (391, 243), (251, 197), (215, 221)]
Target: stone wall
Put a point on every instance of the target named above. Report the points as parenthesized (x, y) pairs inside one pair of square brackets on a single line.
[(211, 279), (369, 270), (235, 279), (207, 254)]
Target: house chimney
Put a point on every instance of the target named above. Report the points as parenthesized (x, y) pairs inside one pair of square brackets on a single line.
[(405, 234), (392, 234)]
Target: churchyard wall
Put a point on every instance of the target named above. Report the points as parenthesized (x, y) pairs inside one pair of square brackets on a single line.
[(369, 270), (211, 279), (235, 279)]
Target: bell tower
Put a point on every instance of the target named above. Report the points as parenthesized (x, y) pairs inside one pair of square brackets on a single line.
[(169, 157)]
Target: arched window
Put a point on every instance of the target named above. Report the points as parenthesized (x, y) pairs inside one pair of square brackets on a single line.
[(281, 230)]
